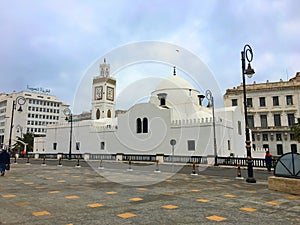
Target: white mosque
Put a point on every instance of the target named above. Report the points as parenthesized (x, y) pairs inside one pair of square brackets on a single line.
[(174, 112)]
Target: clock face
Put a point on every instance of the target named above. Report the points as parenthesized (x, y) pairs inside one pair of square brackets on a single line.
[(98, 93), (110, 93)]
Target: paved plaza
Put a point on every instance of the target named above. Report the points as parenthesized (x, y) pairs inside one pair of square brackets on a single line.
[(36, 194)]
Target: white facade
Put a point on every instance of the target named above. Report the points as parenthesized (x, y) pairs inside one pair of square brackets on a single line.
[(272, 109), (38, 111), (174, 112)]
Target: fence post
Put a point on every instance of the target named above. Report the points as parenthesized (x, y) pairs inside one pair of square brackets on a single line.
[(239, 174), (44, 163), (157, 167), (194, 170), (101, 166), (129, 165), (28, 163)]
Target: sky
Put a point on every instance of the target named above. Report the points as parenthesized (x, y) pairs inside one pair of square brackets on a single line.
[(52, 44)]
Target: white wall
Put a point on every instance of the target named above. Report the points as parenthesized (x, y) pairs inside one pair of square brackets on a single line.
[(123, 138)]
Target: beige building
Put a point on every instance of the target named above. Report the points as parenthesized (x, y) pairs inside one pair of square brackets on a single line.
[(272, 109), (38, 110)]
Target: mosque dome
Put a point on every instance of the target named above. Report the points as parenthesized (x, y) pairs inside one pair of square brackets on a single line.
[(181, 97), (176, 91), (172, 83)]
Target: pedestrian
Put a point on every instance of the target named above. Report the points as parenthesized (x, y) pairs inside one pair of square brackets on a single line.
[(268, 159), (4, 161), (23, 153)]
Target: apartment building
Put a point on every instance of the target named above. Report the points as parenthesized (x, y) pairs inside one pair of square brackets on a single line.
[(31, 114), (273, 107)]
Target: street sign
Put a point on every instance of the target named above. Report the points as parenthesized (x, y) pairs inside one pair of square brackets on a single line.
[(173, 142)]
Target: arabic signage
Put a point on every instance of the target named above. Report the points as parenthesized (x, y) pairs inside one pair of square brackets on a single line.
[(39, 89)]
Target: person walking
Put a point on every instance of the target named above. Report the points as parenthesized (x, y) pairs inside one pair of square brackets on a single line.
[(268, 159), (4, 161)]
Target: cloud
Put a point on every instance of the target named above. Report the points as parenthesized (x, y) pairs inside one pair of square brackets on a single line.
[(40, 40)]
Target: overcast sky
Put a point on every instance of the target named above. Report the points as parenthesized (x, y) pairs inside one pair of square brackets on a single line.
[(51, 44)]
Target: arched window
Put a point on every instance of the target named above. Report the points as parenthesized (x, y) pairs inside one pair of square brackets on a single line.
[(138, 125), (145, 125), (109, 114), (98, 114)]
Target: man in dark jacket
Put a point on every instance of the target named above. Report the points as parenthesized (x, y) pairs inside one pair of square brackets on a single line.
[(4, 161), (268, 158)]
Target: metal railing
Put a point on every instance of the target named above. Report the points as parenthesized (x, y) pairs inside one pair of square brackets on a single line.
[(232, 161), (185, 159), (102, 157), (145, 158)]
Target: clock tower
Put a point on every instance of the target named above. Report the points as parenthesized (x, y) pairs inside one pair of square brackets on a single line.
[(104, 92)]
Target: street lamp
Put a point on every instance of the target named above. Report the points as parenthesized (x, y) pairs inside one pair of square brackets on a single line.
[(20, 100), (69, 118), (247, 54), (210, 99), (20, 130)]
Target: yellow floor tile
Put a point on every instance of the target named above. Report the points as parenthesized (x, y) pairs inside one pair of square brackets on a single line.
[(94, 205), (251, 192), (40, 187), (248, 209), (203, 200), (216, 218), (142, 189), (28, 183), (229, 195), (126, 215), (195, 190), (53, 192), (272, 203), (61, 181), (22, 203), (72, 197), (136, 199), (111, 192), (292, 197), (170, 206), (8, 196), (42, 213)]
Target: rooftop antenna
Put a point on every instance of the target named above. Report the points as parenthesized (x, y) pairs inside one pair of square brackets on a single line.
[(174, 73)]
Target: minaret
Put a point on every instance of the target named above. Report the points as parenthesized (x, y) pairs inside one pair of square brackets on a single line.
[(104, 92)]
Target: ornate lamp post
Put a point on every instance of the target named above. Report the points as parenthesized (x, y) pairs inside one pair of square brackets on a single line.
[(69, 118), (247, 54), (20, 100), (210, 99)]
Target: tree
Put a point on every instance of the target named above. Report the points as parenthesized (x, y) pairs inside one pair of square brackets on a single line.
[(28, 139), (296, 130)]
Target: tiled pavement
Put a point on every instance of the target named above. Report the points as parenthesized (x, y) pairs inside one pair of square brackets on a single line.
[(43, 195)]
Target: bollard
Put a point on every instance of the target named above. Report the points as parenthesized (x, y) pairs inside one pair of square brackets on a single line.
[(194, 170), (15, 160), (59, 162), (239, 174), (27, 163), (157, 168), (101, 166), (129, 166), (44, 161), (78, 165)]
